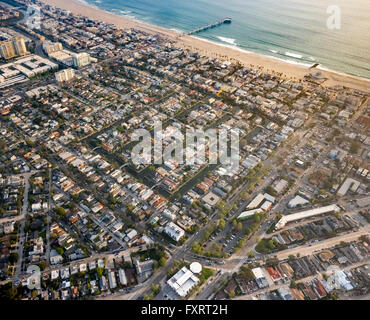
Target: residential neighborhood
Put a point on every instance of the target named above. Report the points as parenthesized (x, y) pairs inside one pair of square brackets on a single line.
[(292, 222)]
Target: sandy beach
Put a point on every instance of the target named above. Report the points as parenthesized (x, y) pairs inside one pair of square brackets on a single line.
[(290, 71)]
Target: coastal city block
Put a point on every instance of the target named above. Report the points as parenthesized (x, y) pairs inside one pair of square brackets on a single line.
[(291, 223)]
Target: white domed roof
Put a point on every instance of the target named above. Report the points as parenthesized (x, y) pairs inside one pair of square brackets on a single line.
[(196, 267)]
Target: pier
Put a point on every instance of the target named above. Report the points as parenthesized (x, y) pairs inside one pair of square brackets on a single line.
[(209, 26)]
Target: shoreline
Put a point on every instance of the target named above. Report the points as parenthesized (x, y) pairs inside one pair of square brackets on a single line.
[(269, 64)]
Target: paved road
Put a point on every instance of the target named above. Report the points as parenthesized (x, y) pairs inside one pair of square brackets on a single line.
[(48, 218), (21, 240)]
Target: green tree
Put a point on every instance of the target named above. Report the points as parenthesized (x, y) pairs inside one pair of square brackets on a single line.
[(99, 272), (231, 294), (271, 245), (61, 212), (239, 226), (162, 261), (222, 224), (155, 289), (197, 248), (257, 218), (235, 223)]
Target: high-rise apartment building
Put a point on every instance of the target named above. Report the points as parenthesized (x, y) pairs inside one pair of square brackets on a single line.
[(19, 46), (52, 47), (81, 59), (7, 50), (13, 48), (65, 75)]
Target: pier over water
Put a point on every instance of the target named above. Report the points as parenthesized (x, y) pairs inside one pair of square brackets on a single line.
[(209, 26)]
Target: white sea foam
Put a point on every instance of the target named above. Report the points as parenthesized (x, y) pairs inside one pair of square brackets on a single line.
[(88, 4), (302, 64), (293, 55), (323, 68), (233, 45), (177, 30), (228, 40)]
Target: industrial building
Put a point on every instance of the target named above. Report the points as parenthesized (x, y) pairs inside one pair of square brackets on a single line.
[(267, 202), (122, 277), (348, 184), (297, 201), (112, 280), (249, 213), (306, 214), (256, 201)]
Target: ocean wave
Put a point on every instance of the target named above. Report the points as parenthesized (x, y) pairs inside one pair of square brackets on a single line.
[(125, 12), (350, 75), (289, 61), (281, 54), (86, 3), (227, 40), (234, 47), (302, 64), (293, 55), (177, 30)]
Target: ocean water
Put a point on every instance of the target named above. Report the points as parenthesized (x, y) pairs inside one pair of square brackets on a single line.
[(292, 30)]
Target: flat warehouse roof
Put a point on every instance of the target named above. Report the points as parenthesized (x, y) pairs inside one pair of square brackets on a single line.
[(305, 214)]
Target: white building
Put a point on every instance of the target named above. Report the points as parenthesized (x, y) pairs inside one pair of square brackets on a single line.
[(305, 214), (249, 213), (122, 277), (81, 59), (51, 47), (112, 280), (256, 201), (174, 231), (297, 201), (28, 66), (183, 281), (20, 46), (55, 258), (349, 183), (280, 186), (260, 277), (65, 75)]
